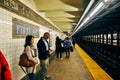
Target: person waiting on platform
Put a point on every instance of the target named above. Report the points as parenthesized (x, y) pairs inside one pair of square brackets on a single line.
[(67, 44), (5, 73), (32, 55), (58, 48), (44, 54)]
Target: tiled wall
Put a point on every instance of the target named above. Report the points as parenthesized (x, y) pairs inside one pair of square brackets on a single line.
[(12, 48)]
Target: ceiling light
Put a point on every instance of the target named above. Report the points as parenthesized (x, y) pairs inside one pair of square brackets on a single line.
[(96, 9), (105, 0), (86, 19), (87, 9)]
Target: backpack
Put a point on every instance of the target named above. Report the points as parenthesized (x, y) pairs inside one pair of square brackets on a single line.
[(68, 43)]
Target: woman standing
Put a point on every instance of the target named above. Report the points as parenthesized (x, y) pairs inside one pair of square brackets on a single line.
[(32, 55)]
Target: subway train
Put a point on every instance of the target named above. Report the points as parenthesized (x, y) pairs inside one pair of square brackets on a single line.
[(100, 37), (98, 33)]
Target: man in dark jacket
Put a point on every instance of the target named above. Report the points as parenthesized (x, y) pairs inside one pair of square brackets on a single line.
[(44, 54)]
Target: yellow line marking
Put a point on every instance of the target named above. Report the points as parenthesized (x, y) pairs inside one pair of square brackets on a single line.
[(96, 71)]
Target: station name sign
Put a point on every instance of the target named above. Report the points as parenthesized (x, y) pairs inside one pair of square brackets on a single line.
[(21, 29)]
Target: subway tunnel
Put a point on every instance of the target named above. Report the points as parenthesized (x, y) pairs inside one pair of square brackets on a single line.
[(94, 25)]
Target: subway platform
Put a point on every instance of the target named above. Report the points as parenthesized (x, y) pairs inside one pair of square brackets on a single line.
[(78, 67)]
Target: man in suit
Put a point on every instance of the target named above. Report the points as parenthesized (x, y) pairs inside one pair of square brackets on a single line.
[(44, 54)]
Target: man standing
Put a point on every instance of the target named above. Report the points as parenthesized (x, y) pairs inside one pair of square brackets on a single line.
[(44, 54)]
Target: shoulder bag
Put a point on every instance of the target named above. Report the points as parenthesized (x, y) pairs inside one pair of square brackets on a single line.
[(24, 61)]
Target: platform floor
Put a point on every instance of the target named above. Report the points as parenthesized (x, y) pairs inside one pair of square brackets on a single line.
[(69, 69)]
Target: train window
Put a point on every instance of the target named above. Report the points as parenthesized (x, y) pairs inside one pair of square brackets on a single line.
[(104, 38), (109, 38), (95, 38), (101, 36), (99, 39), (114, 38)]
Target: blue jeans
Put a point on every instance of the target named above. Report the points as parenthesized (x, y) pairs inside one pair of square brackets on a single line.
[(68, 52), (31, 76), (44, 67)]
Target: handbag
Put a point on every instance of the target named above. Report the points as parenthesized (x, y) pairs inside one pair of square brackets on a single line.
[(24, 61), (71, 48)]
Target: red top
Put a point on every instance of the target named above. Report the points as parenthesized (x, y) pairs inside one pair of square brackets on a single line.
[(5, 73)]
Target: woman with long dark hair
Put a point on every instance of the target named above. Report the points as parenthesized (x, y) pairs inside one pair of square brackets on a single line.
[(32, 55)]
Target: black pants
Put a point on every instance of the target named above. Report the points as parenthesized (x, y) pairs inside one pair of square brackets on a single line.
[(31, 76), (58, 53)]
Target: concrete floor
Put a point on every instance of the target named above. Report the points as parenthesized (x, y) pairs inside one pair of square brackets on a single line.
[(69, 69)]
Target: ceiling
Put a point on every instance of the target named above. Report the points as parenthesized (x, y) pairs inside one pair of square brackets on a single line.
[(65, 14)]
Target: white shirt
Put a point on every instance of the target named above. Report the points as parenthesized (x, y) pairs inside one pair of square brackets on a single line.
[(46, 44)]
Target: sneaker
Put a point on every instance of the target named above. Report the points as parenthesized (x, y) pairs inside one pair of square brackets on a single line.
[(61, 58), (47, 76)]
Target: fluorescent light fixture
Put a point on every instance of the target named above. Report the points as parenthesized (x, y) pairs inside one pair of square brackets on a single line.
[(105, 0), (86, 19), (78, 28), (81, 25), (96, 9), (87, 9)]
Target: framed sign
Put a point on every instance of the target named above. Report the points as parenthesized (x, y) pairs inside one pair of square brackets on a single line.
[(21, 29)]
